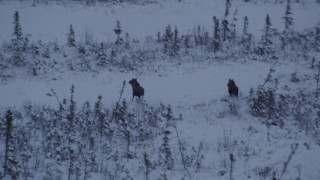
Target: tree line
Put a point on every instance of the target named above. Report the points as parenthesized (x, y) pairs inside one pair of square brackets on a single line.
[(125, 53)]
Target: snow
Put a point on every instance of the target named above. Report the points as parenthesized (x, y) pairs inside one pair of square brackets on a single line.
[(50, 23), (197, 91), (184, 84)]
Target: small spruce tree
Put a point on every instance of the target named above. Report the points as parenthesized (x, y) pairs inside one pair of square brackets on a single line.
[(245, 27), (186, 43), (72, 134), (266, 39), (288, 26), (246, 37), (19, 43), (216, 42), (147, 164), (168, 40), (11, 165), (225, 23), (118, 31), (233, 31), (288, 19), (101, 56), (176, 42), (71, 37), (166, 156)]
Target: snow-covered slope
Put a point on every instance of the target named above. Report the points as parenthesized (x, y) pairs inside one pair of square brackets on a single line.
[(209, 126), (199, 94), (50, 23)]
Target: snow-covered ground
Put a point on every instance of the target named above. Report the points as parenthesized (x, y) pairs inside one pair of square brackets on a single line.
[(183, 84), (196, 91)]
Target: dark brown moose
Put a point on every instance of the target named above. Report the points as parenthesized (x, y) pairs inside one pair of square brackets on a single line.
[(137, 90), (233, 88)]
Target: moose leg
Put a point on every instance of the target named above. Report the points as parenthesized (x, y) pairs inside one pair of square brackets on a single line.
[(237, 91)]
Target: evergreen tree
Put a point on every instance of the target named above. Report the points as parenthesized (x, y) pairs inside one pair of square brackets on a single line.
[(168, 116), (168, 40), (35, 55), (186, 44), (2, 65), (88, 38), (46, 53), (266, 39), (225, 29), (17, 34), (225, 23), (35, 50), (302, 111), (127, 41), (89, 144), (11, 165), (246, 37), (259, 105), (126, 126), (245, 27), (198, 36), (282, 109), (54, 140), (288, 28), (101, 56), (25, 149), (232, 160), (228, 6), (87, 123), (118, 31), (288, 19), (271, 105), (113, 55), (159, 38), (71, 37), (166, 156), (206, 40), (19, 44), (233, 31), (216, 42), (176, 42), (72, 134), (100, 117), (264, 105), (56, 47)]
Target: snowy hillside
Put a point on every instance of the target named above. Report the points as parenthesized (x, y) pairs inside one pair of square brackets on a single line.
[(66, 107), (50, 23)]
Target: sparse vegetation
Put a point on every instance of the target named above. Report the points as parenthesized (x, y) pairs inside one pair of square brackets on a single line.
[(138, 139)]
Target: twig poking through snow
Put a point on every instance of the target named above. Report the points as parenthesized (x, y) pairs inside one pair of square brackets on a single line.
[(294, 148), (121, 92)]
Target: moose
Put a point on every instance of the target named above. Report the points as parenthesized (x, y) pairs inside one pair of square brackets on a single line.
[(232, 88), (137, 90)]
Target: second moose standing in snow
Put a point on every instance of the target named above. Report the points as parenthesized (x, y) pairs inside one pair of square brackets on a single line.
[(233, 88), (137, 90)]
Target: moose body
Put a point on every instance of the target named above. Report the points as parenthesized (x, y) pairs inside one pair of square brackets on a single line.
[(137, 90), (233, 88)]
